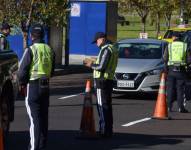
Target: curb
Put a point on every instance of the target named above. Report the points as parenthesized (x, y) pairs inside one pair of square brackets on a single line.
[(71, 69)]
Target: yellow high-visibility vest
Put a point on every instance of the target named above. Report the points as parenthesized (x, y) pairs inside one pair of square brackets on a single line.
[(42, 61), (111, 66)]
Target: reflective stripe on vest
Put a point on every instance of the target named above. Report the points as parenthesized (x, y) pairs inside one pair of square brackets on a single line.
[(6, 46), (111, 66), (177, 53), (42, 61)]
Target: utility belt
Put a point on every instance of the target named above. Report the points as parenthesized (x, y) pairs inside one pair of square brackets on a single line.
[(41, 81), (178, 68)]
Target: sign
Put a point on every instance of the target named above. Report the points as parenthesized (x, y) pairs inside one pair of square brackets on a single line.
[(143, 35), (125, 83), (75, 10)]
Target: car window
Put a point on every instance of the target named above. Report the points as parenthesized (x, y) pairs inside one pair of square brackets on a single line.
[(169, 34), (140, 51), (187, 37)]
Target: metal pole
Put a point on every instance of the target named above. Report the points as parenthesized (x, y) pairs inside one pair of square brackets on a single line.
[(181, 11)]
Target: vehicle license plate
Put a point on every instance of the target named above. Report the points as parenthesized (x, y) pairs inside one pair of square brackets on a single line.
[(122, 83)]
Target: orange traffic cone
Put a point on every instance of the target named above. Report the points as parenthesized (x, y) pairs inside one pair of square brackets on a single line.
[(161, 105), (1, 139), (87, 127)]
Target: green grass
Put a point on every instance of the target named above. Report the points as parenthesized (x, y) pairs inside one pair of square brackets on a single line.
[(133, 30)]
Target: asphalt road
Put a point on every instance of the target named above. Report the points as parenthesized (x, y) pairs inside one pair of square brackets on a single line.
[(65, 111)]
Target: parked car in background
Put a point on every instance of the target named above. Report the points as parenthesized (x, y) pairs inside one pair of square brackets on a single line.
[(139, 66), (8, 87), (181, 30)]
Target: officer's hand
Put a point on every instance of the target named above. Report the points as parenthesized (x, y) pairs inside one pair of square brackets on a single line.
[(87, 62)]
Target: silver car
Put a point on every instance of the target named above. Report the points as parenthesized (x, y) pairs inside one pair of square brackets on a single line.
[(139, 66)]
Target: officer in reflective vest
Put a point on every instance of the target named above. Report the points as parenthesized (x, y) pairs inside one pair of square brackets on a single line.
[(5, 31), (35, 70), (104, 69), (176, 59)]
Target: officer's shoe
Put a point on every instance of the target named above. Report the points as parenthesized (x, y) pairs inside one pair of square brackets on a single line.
[(183, 110)]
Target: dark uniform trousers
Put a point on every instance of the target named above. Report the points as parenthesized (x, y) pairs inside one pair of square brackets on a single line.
[(175, 87), (104, 105), (37, 102)]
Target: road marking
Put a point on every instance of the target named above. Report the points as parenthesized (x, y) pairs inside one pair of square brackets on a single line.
[(135, 122), (65, 97)]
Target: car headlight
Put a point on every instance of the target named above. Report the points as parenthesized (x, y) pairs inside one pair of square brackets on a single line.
[(154, 72)]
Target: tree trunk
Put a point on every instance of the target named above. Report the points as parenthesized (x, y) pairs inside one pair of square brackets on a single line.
[(168, 19), (158, 24), (25, 33), (143, 21), (25, 40)]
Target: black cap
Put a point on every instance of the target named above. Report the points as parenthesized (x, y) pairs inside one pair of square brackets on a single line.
[(37, 30), (97, 36), (5, 26)]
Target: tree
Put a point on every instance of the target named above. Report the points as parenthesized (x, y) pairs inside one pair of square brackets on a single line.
[(169, 7), (162, 8), (142, 7), (156, 13), (124, 6), (187, 4), (24, 12)]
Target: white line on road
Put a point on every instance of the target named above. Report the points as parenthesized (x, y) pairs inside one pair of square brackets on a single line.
[(135, 122), (65, 97)]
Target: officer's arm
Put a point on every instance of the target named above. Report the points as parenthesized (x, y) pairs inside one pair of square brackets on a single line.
[(165, 58), (2, 43), (103, 62), (165, 55), (188, 56), (53, 62), (24, 67)]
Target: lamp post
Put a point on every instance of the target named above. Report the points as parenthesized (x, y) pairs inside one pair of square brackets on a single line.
[(181, 11)]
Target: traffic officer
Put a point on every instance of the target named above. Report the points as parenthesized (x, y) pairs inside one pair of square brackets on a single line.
[(104, 69), (175, 58), (35, 70), (5, 31)]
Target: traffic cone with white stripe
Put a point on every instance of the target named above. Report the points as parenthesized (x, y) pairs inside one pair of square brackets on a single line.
[(161, 111), (1, 139), (87, 126)]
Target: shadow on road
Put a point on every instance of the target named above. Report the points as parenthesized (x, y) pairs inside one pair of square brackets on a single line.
[(66, 140), (136, 96), (66, 90)]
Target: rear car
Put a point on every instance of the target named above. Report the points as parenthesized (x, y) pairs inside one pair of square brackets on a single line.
[(139, 66), (181, 30), (8, 87)]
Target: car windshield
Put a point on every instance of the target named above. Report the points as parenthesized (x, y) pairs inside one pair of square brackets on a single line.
[(140, 51)]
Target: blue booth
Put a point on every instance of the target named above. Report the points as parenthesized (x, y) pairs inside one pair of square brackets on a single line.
[(87, 18), (16, 40)]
